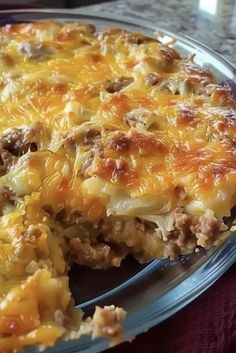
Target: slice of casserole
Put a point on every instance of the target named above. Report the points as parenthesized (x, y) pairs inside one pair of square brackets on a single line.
[(111, 144)]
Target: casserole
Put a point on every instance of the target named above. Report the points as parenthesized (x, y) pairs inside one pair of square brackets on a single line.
[(47, 205)]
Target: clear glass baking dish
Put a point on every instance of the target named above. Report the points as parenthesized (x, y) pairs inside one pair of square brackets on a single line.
[(153, 292)]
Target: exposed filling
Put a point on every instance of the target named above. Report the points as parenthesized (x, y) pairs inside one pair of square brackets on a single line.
[(105, 243)]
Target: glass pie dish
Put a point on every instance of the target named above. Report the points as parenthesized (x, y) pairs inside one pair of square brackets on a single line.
[(150, 293)]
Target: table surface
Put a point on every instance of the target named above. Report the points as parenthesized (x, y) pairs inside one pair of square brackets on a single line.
[(212, 22)]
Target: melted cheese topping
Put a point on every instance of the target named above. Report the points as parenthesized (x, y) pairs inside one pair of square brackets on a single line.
[(108, 123)]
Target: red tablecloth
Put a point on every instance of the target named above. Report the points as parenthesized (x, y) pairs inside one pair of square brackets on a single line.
[(208, 325)]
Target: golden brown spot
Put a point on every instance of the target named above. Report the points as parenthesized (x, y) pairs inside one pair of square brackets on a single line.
[(222, 96), (119, 104), (186, 117), (43, 88), (157, 168), (214, 173), (143, 144), (7, 59), (130, 64), (228, 123), (116, 170), (146, 144), (188, 157), (169, 53), (60, 88), (120, 143), (95, 58)]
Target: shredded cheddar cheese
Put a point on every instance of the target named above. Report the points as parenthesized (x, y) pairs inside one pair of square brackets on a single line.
[(111, 143)]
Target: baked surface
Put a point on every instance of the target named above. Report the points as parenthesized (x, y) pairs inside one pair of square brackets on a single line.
[(111, 144)]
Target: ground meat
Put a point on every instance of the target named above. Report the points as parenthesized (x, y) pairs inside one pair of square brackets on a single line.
[(181, 237), (181, 193), (182, 221), (230, 220), (117, 227), (6, 161), (137, 38), (59, 317), (6, 194), (140, 225), (6, 197), (28, 240), (120, 236), (61, 216), (169, 53), (91, 135), (95, 150), (118, 84), (6, 59), (120, 142), (32, 234), (206, 228), (172, 251), (85, 28), (107, 322), (19, 141), (189, 232), (97, 256), (84, 137)]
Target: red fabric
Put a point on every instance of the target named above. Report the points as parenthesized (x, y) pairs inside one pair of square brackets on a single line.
[(208, 325)]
